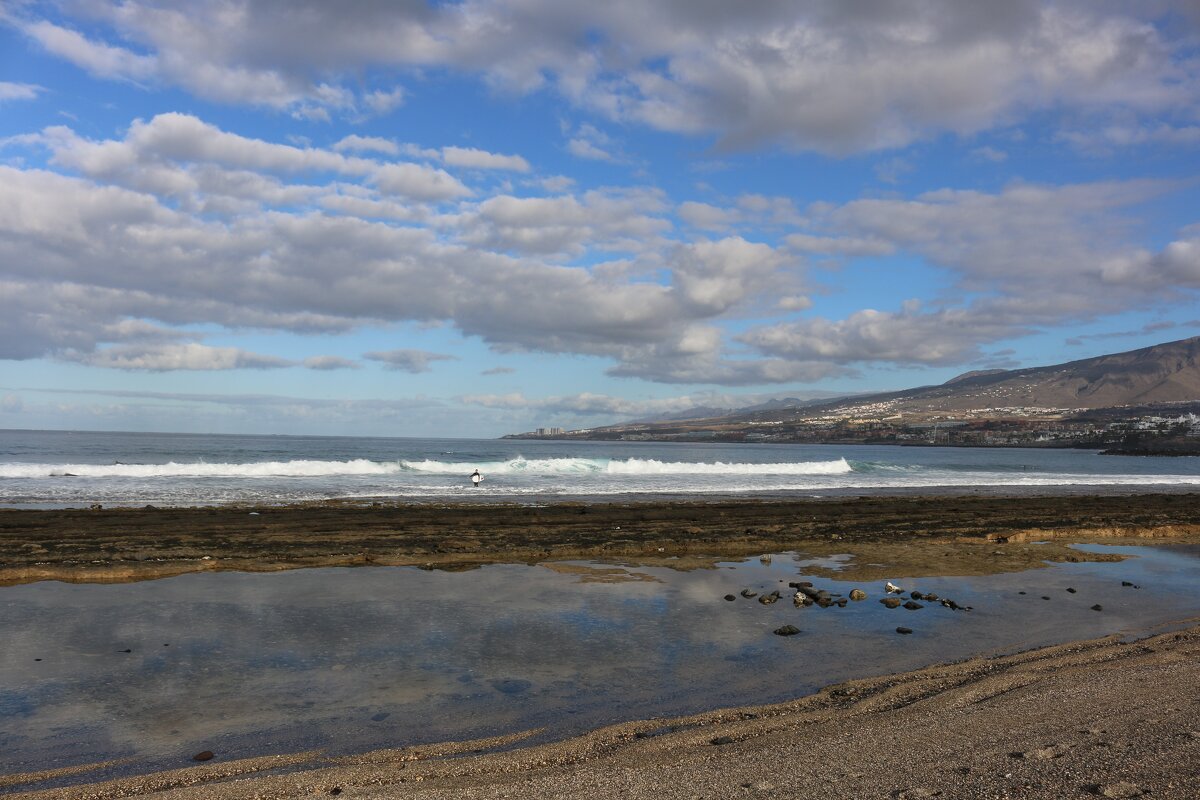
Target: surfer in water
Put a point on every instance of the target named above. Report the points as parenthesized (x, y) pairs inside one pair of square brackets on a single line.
[(476, 478)]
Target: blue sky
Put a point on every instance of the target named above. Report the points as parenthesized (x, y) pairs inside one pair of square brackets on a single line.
[(472, 218)]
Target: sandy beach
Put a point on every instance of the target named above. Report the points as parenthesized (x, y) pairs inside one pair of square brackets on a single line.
[(1106, 717)]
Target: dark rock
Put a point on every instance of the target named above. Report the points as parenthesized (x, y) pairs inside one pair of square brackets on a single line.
[(510, 685), (336, 790), (768, 599), (1071, 590), (912, 605), (1045, 597), (916, 595), (206, 755), (746, 593), (1127, 583), (804, 583), (930, 597), (730, 597), (380, 717), (787, 630), (890, 602), (125, 651), (904, 630), (1020, 593), (1097, 607), (842, 603), (723, 740)]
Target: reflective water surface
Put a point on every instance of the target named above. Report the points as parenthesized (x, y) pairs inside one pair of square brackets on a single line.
[(356, 659)]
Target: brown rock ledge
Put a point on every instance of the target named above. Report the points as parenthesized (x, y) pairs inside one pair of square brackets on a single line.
[(910, 535)]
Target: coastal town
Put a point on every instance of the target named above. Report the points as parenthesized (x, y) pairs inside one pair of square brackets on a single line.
[(1165, 429)]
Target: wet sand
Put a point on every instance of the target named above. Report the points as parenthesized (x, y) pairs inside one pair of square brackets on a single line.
[(1098, 718), (906, 535)]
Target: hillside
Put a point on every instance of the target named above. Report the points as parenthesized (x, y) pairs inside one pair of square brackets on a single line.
[(1144, 379)]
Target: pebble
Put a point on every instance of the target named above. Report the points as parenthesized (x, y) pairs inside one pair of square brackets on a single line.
[(723, 740), (1097, 607), (746, 593), (891, 602), (730, 597), (1121, 789), (767, 599), (858, 594), (1071, 590), (916, 595), (904, 630), (912, 605), (205, 755), (787, 630)]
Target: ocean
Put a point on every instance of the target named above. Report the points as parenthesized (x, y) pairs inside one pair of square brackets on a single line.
[(49, 469)]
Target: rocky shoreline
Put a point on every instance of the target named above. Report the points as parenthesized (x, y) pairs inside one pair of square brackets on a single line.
[(958, 535)]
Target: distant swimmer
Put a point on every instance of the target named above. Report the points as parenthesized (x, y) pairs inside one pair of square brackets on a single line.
[(476, 478)]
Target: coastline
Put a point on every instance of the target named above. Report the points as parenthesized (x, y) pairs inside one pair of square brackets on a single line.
[(907, 535), (1123, 725)]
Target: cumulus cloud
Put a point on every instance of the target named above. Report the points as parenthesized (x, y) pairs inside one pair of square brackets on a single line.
[(405, 360), (474, 158), (826, 75), (166, 357), (112, 256), (19, 91), (330, 363), (367, 144), (100, 59)]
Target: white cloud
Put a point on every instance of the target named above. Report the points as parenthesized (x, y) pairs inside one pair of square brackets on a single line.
[(19, 91), (136, 241), (707, 217), (413, 361), (330, 363), (190, 356), (382, 102), (367, 144), (828, 76), (473, 158), (582, 148), (419, 182), (100, 59)]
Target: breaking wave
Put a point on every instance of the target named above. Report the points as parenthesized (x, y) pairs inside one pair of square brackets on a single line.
[(631, 466), (172, 469)]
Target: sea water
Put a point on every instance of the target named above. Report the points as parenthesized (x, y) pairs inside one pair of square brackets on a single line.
[(65, 468)]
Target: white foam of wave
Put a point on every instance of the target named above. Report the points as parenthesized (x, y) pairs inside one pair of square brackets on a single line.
[(631, 466), (303, 468), (649, 466)]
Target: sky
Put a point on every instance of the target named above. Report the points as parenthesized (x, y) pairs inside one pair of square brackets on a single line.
[(471, 218)]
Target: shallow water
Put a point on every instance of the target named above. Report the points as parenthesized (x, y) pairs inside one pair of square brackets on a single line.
[(246, 664)]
